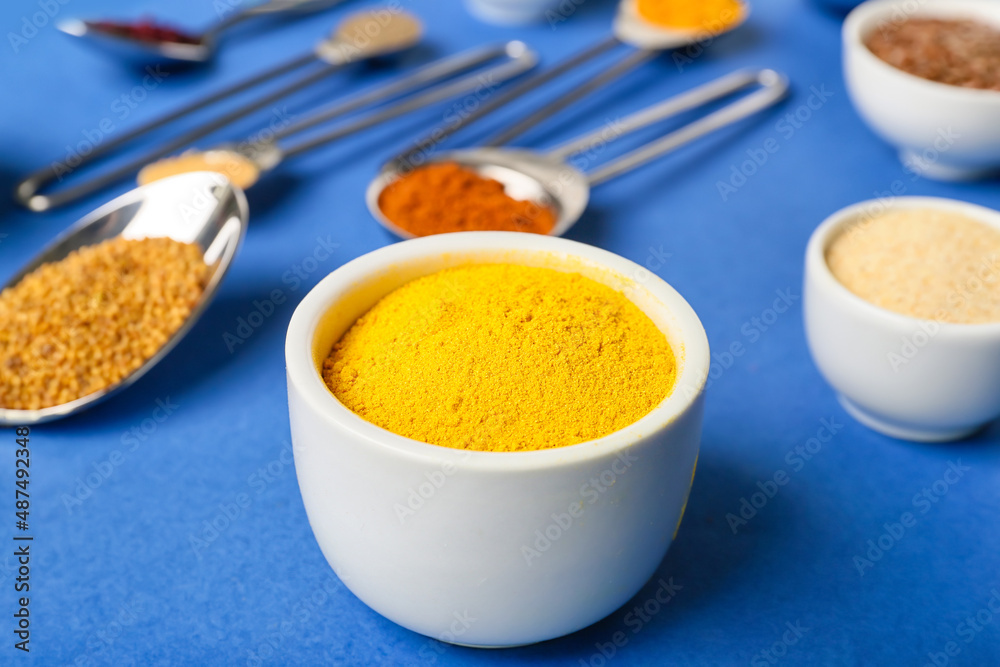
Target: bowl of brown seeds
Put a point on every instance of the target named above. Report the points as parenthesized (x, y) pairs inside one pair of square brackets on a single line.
[(925, 76)]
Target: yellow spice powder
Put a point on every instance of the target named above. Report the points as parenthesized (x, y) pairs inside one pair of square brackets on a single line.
[(502, 357), (82, 324), (926, 263), (709, 15)]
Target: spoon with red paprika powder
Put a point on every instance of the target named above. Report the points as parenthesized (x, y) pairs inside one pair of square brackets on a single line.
[(496, 188), (149, 41)]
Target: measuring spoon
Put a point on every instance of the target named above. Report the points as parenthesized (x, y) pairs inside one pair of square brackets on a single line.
[(201, 208), (246, 162), (628, 28), (548, 179), (204, 46), (396, 33)]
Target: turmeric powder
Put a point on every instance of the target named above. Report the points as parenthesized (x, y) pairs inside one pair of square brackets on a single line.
[(503, 358), (710, 15), (447, 197)]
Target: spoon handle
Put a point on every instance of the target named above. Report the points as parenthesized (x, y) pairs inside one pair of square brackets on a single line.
[(627, 64), (27, 190), (773, 87), (417, 153), (272, 7), (516, 57)]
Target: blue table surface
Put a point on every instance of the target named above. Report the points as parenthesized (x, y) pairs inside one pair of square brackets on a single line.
[(118, 497)]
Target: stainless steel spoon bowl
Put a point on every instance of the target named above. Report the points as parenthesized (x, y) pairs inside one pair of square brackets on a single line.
[(631, 28), (360, 36), (165, 51), (552, 179), (200, 207)]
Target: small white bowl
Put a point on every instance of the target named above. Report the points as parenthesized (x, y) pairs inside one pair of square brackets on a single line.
[(515, 12), (904, 377), (942, 131), (490, 548)]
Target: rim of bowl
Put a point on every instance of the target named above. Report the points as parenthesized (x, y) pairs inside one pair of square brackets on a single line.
[(832, 225), (875, 9), (302, 372)]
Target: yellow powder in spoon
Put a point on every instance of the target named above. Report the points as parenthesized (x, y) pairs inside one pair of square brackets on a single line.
[(926, 263), (708, 15), (86, 322), (502, 357)]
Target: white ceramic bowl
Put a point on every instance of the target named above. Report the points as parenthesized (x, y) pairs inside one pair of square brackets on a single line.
[(490, 548), (517, 12), (942, 131), (904, 377)]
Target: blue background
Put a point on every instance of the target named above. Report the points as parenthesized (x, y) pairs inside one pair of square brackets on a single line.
[(115, 577)]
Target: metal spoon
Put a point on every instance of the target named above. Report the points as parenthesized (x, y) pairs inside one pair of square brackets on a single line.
[(246, 162), (399, 31), (631, 28), (199, 207), (627, 28), (153, 51), (549, 180)]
